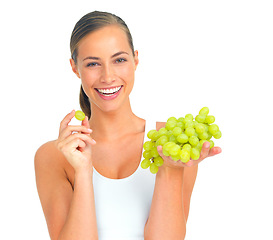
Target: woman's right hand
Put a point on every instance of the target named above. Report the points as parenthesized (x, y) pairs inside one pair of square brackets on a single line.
[(76, 147)]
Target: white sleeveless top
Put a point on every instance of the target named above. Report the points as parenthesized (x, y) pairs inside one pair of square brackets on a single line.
[(123, 205)]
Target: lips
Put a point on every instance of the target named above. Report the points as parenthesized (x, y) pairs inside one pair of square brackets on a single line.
[(109, 93)]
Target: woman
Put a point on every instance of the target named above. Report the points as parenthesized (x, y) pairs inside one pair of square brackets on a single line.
[(89, 180)]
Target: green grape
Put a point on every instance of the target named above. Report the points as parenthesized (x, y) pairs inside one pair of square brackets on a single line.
[(195, 154), (184, 155), (174, 150), (189, 124), (169, 133), (165, 153), (79, 115), (167, 146), (145, 163), (175, 158), (182, 138), (190, 131), (177, 131), (187, 147), (211, 143), (217, 135), (147, 154), (189, 117), (210, 119), (172, 138), (158, 161), (172, 119), (154, 152), (213, 128), (153, 168), (148, 145), (181, 119), (170, 125), (162, 131), (203, 135), (181, 125), (161, 141), (200, 118), (151, 133), (200, 128), (193, 140), (204, 111), (155, 136)]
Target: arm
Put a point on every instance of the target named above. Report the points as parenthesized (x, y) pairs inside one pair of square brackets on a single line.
[(69, 214)]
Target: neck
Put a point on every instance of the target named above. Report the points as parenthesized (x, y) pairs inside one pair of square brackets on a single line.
[(114, 124)]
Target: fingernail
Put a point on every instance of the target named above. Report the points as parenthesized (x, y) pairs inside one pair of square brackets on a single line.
[(94, 141), (89, 130), (207, 145)]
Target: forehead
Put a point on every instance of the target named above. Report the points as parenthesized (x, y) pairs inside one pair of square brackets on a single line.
[(107, 40)]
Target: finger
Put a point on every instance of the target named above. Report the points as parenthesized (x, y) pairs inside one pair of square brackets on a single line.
[(64, 123), (75, 138), (71, 128), (85, 122), (214, 151), (205, 150)]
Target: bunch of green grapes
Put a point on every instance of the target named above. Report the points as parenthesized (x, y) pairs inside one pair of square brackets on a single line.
[(182, 139)]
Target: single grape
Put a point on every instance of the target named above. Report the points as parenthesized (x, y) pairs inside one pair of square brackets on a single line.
[(184, 155), (172, 138), (148, 145), (210, 119), (204, 111), (158, 161), (167, 146), (181, 125), (154, 152), (174, 150), (145, 163), (195, 154), (172, 119), (189, 124), (182, 138), (153, 168), (211, 143), (170, 125), (213, 128), (203, 135), (162, 131), (181, 119), (165, 153), (190, 131), (187, 147), (151, 133), (193, 140), (200, 128), (177, 131), (79, 115), (175, 158), (147, 154), (217, 135), (200, 118), (161, 141), (189, 117)]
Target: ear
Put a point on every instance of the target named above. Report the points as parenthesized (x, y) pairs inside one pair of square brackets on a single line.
[(136, 59), (74, 67)]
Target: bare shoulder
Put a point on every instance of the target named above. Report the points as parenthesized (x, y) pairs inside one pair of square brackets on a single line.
[(48, 156)]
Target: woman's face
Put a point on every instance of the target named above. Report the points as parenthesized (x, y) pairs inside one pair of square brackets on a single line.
[(106, 66)]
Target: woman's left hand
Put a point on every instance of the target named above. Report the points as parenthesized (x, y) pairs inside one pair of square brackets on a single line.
[(205, 152)]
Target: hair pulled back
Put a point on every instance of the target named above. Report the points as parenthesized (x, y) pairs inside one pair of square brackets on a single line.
[(87, 24)]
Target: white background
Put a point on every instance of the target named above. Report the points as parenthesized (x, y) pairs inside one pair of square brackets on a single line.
[(192, 54)]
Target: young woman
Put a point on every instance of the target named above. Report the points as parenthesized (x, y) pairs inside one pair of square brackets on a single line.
[(89, 180)]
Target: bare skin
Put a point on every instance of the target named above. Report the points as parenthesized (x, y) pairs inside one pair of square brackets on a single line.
[(64, 167)]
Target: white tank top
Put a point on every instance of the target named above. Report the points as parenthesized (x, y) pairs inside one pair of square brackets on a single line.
[(123, 205)]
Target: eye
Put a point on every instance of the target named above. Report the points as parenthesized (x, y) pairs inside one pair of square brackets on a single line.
[(120, 60), (92, 64)]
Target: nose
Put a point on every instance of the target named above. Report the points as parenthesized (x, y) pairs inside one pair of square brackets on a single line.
[(108, 75)]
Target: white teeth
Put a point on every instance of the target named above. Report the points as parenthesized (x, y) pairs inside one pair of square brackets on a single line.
[(109, 91)]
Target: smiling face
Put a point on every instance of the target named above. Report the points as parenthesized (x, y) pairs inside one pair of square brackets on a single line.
[(106, 66)]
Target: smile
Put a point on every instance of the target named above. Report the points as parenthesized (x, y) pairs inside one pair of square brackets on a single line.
[(108, 91)]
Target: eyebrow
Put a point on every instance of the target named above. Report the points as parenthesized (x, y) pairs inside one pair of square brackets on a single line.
[(114, 55)]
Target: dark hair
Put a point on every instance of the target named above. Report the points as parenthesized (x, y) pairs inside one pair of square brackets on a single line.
[(86, 25)]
